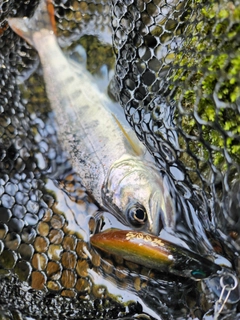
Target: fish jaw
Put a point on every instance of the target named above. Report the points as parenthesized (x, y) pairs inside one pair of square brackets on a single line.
[(132, 185)]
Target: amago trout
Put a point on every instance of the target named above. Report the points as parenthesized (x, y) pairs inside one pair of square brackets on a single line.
[(113, 164)]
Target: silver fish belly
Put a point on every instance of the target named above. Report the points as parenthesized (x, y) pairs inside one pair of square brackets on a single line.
[(112, 163)]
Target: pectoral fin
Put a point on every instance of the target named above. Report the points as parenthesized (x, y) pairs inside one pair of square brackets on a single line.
[(131, 139)]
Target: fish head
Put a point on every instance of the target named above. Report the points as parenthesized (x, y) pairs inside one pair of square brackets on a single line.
[(135, 191)]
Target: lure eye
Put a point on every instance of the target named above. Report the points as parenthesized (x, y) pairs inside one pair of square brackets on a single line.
[(137, 215), (198, 274)]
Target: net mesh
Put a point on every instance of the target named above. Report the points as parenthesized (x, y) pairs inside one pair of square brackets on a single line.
[(177, 79), (177, 71)]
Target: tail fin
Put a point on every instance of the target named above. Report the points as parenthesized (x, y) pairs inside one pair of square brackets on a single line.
[(43, 19)]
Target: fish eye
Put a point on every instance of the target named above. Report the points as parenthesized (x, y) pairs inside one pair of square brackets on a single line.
[(137, 215)]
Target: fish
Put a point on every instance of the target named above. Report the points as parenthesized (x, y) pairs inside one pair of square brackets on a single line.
[(155, 253), (115, 167)]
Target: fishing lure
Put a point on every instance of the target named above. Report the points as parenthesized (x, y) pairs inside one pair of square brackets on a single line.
[(155, 253)]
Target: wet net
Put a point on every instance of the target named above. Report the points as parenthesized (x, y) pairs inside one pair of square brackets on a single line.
[(174, 67)]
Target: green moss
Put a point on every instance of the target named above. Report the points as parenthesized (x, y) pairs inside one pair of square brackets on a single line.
[(208, 84), (235, 65), (236, 14), (217, 62), (208, 12), (223, 14), (206, 75)]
